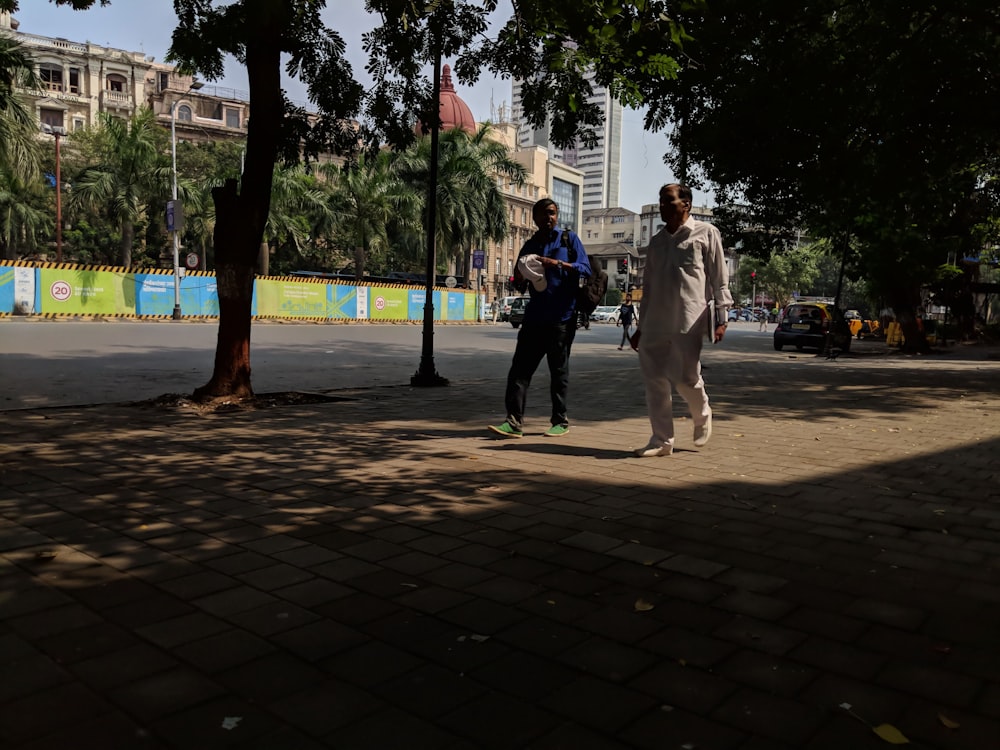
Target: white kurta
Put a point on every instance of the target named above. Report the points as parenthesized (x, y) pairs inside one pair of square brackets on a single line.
[(685, 274)]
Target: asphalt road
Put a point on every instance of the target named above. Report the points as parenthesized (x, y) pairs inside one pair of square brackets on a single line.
[(47, 363)]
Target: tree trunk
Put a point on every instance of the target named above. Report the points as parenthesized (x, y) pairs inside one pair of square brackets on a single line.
[(242, 214), (359, 263), (264, 259), (232, 352), (128, 235)]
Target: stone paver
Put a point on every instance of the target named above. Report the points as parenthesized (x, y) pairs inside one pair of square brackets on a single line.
[(378, 572)]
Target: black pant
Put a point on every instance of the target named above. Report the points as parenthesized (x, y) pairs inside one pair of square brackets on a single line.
[(534, 341)]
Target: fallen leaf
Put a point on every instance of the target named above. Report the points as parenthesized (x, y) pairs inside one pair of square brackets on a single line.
[(641, 605), (890, 734), (948, 722), (893, 429), (479, 638), (409, 585), (230, 722)]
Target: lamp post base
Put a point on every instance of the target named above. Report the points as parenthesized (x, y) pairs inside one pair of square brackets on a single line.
[(177, 312), (427, 377)]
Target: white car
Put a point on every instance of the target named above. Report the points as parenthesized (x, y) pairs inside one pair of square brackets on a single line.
[(606, 314)]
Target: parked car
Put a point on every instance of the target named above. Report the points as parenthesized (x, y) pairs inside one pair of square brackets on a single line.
[(806, 324), (736, 314), (606, 314), (517, 307), (505, 303)]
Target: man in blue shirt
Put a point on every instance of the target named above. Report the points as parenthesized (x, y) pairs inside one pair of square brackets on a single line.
[(549, 319)]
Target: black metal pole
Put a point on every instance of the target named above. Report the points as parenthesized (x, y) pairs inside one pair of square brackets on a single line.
[(838, 319), (426, 374)]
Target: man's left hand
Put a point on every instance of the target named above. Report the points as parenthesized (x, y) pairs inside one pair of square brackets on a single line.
[(720, 332)]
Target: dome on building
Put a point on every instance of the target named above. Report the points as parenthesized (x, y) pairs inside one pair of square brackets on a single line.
[(454, 112)]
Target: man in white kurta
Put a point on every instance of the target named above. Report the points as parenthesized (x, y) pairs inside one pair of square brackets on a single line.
[(685, 297)]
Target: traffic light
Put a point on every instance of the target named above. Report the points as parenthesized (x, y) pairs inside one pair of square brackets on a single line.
[(623, 266), (510, 285), (753, 275)]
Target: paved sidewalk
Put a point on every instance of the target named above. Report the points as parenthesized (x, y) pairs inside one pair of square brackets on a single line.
[(377, 572)]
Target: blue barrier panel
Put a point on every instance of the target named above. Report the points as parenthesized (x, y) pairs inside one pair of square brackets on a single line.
[(342, 301), (154, 294), (455, 309), (7, 289)]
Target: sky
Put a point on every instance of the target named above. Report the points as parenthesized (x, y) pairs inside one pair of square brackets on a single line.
[(146, 26)]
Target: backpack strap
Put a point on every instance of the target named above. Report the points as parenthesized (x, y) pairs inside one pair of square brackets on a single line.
[(565, 242)]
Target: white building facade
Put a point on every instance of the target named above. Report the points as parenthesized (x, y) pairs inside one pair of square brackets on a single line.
[(601, 165)]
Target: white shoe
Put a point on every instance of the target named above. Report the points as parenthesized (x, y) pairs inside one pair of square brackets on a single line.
[(653, 449), (703, 432)]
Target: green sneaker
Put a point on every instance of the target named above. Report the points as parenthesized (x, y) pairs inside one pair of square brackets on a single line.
[(556, 430), (505, 430)]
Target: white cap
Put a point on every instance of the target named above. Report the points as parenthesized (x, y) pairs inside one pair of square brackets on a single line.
[(533, 270)]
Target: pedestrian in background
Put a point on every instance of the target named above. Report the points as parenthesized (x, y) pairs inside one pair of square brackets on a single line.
[(626, 315), (495, 309), (552, 260), (685, 294)]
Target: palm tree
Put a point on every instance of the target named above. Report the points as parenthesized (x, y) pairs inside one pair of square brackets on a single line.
[(132, 172), (370, 205), (22, 218), (298, 204), (18, 130), (470, 205)]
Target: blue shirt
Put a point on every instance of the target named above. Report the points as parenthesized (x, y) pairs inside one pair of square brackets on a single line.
[(557, 302)]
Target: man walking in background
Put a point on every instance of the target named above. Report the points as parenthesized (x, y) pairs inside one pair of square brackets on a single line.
[(685, 296)]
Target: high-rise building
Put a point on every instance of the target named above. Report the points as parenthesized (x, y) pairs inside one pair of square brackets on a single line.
[(601, 165)]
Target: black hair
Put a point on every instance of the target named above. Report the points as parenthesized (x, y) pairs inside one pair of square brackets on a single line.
[(683, 191), (542, 204)]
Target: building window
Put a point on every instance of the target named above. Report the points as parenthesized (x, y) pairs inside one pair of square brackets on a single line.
[(618, 235), (77, 123), (232, 118), (74, 80), (51, 117), (164, 81), (524, 216), (116, 82), (52, 76), (497, 271), (184, 113), (567, 197)]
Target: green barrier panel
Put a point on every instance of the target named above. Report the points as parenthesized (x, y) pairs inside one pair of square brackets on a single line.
[(388, 303), (290, 299), (81, 291)]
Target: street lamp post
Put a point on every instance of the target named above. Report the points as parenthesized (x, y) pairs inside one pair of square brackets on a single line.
[(58, 132), (177, 215)]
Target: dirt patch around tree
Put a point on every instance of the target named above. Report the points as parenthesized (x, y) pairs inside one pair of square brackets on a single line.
[(223, 405)]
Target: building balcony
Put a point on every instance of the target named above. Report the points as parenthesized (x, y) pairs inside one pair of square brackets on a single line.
[(118, 99)]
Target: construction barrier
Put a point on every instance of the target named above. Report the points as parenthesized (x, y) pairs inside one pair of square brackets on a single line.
[(68, 289)]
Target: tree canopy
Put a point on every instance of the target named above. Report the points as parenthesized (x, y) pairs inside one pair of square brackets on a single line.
[(860, 119)]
